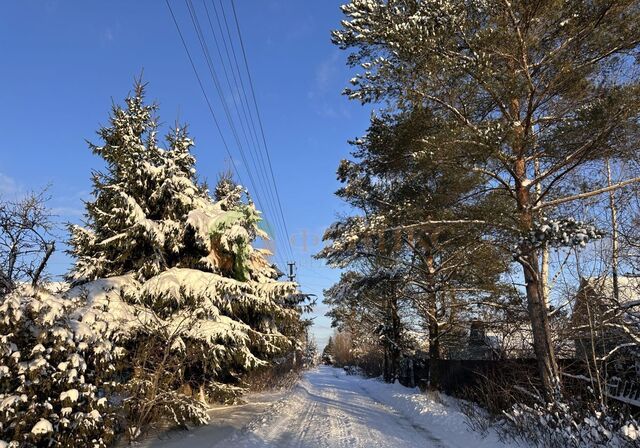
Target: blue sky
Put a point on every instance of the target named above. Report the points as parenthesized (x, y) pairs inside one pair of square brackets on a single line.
[(64, 62)]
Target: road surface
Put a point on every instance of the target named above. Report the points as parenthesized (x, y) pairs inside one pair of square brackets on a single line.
[(330, 409)]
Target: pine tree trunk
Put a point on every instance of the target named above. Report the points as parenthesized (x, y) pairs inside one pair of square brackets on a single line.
[(395, 332), (538, 315), (385, 363), (544, 267), (614, 235), (432, 310), (434, 336), (544, 275), (392, 338), (535, 285), (537, 308), (432, 317)]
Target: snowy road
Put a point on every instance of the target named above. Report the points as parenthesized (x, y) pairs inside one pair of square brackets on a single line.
[(330, 409)]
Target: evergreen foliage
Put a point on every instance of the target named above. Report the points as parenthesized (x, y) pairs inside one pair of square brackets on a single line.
[(327, 352), (55, 373), (520, 98), (170, 307), (417, 241)]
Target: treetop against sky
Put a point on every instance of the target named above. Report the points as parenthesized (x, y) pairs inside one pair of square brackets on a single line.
[(69, 61)]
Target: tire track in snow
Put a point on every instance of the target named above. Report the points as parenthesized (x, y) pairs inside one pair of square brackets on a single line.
[(397, 417), (328, 410), (307, 422), (404, 420)]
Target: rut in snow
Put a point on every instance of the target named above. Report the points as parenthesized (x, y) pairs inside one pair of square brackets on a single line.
[(330, 409)]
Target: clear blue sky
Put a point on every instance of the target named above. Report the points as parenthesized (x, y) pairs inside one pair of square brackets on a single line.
[(63, 62)]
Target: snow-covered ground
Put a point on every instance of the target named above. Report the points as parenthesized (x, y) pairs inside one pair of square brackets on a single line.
[(225, 423), (331, 409)]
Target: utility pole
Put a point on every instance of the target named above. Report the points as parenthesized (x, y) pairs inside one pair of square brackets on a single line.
[(292, 275)]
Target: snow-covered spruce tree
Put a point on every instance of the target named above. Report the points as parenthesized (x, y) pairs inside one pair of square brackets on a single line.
[(327, 352), (54, 373), (176, 272)]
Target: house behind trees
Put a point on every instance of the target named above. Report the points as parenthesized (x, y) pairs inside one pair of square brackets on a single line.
[(601, 322)]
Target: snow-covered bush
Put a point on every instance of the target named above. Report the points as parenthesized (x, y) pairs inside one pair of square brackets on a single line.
[(569, 425), (281, 373), (153, 394), (353, 370), (55, 374)]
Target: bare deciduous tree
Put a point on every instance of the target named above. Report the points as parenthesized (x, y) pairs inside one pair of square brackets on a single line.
[(26, 240)]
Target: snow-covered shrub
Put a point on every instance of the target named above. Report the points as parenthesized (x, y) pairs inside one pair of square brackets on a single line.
[(152, 395), (353, 370), (477, 417), (280, 373), (569, 425), (54, 374), (501, 401)]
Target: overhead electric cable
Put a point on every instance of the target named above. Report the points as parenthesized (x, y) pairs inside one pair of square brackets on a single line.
[(204, 92), (207, 100), (239, 103), (237, 75), (255, 102), (256, 186)]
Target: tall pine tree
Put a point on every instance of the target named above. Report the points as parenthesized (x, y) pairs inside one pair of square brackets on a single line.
[(527, 94)]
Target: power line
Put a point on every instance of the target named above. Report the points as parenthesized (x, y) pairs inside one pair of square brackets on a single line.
[(252, 126), (248, 119), (264, 140), (239, 77), (204, 93), (209, 105), (255, 184)]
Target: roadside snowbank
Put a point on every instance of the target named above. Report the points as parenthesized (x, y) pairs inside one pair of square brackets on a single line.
[(226, 421), (437, 413)]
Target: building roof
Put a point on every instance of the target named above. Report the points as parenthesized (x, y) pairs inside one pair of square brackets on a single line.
[(596, 294), (628, 288)]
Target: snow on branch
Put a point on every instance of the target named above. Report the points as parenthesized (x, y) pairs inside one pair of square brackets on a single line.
[(585, 195), (557, 233)]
